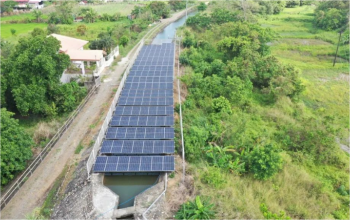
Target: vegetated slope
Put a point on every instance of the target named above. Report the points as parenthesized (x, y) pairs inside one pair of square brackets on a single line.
[(256, 146)]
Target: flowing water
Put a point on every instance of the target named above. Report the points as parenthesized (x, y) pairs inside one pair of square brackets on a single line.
[(169, 32)]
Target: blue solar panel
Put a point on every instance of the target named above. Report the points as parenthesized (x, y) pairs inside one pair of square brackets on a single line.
[(135, 164), (142, 121), (149, 79), (144, 110), (143, 118), (125, 147), (141, 133), (146, 93), (157, 101), (143, 85)]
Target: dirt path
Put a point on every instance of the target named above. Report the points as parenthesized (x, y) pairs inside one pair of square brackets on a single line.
[(33, 192)]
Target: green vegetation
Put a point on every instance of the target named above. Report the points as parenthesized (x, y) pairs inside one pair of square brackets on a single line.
[(196, 210), (31, 79), (332, 15), (260, 124), (15, 147), (79, 148)]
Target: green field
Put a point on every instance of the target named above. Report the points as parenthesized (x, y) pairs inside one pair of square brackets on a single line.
[(21, 30), (112, 8), (94, 29), (312, 51)]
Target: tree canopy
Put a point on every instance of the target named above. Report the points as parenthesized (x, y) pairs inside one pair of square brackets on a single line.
[(15, 147), (332, 15), (32, 74)]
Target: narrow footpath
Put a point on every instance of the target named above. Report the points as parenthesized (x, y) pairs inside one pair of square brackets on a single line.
[(34, 190)]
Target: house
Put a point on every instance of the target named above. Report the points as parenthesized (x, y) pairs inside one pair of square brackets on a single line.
[(74, 48), (36, 4)]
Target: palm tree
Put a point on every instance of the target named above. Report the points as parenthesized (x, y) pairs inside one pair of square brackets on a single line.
[(90, 15), (37, 14)]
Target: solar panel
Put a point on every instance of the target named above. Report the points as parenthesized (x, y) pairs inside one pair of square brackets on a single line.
[(140, 133), (106, 164), (125, 147), (149, 79), (157, 101), (144, 121), (144, 110), (145, 85), (146, 93), (142, 124)]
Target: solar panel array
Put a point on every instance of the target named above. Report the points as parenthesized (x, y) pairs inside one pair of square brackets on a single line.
[(140, 137)]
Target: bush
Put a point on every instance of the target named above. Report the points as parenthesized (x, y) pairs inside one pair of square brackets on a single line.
[(202, 6), (270, 215), (213, 177), (81, 29), (196, 210), (264, 162), (15, 147), (124, 40)]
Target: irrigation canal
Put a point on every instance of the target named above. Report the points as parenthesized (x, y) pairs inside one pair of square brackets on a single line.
[(139, 142)]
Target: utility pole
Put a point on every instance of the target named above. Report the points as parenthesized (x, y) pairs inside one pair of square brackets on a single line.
[(336, 53)]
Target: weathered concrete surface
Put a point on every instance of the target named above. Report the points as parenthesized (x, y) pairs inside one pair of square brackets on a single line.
[(103, 199), (78, 196), (125, 212), (145, 199)]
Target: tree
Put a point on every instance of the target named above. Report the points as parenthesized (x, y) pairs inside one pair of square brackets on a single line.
[(177, 4), (65, 12), (124, 40), (104, 42), (202, 6), (330, 19), (292, 3), (81, 29), (37, 14), (7, 6), (159, 9), (15, 147), (33, 72), (37, 32), (90, 15)]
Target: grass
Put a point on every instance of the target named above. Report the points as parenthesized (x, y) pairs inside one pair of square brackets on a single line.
[(112, 8), (312, 51), (22, 30), (79, 148), (49, 203), (293, 190)]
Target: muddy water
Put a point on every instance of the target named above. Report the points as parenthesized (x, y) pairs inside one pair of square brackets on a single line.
[(127, 187)]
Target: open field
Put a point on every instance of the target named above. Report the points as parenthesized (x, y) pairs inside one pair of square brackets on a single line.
[(112, 8), (22, 30), (312, 51)]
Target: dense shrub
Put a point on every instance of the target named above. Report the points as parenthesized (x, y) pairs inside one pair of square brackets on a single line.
[(331, 15), (15, 147), (264, 162)]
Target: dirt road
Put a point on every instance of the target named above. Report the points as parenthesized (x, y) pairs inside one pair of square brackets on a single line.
[(33, 192)]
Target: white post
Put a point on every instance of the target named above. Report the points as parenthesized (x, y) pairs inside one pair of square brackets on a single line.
[(83, 68)]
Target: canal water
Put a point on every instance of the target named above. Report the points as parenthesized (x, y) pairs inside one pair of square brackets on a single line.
[(169, 32), (127, 186)]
